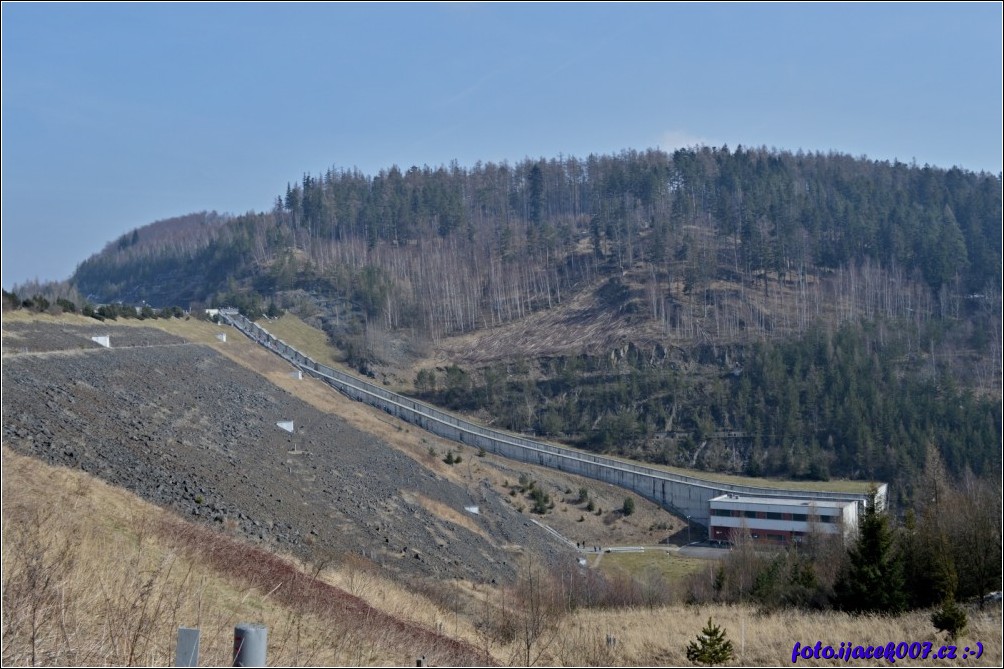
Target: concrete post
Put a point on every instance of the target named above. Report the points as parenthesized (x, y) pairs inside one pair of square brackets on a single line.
[(250, 645), (187, 653)]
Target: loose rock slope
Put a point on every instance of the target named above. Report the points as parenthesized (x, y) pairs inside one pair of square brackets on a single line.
[(188, 429)]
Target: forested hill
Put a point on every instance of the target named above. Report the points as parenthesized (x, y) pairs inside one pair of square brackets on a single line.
[(750, 310), (524, 231)]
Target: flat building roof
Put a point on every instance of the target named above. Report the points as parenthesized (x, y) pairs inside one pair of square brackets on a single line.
[(780, 501)]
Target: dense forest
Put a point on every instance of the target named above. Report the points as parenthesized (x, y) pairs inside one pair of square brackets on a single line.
[(773, 313), (454, 249), (820, 404)]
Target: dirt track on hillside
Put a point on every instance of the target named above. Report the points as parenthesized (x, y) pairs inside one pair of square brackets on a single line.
[(188, 429)]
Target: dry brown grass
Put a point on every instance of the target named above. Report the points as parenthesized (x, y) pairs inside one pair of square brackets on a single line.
[(660, 636), (24, 316), (442, 511), (307, 339), (192, 329)]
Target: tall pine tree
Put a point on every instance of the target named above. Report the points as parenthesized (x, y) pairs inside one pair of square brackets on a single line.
[(873, 579)]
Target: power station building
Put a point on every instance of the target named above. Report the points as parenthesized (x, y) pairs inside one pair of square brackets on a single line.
[(779, 520)]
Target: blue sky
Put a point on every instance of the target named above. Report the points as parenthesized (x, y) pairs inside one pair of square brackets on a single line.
[(118, 115)]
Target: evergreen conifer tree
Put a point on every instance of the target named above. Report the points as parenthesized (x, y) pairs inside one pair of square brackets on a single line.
[(873, 580), (950, 618), (711, 647)]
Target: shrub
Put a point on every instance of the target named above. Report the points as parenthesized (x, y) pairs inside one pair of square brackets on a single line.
[(541, 502), (88, 311), (425, 381), (628, 507), (950, 618)]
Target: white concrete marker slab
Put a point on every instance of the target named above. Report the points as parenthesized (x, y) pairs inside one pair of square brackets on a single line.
[(104, 341), (473, 509), (298, 375), (287, 425), (222, 336)]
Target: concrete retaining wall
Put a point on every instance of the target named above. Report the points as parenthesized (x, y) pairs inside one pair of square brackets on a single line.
[(684, 495)]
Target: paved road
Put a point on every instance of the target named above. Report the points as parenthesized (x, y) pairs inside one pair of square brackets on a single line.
[(701, 551)]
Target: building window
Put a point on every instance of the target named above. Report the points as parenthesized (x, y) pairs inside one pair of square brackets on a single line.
[(801, 517), (749, 514), (773, 516)]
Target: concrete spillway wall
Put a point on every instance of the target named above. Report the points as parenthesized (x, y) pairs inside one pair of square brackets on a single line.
[(684, 495)]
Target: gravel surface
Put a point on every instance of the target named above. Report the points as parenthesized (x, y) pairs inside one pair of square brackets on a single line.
[(34, 337), (188, 429)]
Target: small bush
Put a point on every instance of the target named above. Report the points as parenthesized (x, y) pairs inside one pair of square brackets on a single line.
[(711, 647), (541, 501), (950, 618), (628, 507)]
